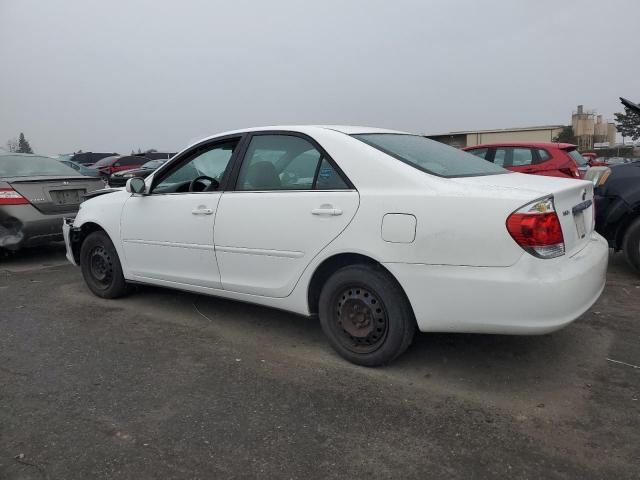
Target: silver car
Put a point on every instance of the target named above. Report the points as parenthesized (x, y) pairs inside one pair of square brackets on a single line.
[(36, 192)]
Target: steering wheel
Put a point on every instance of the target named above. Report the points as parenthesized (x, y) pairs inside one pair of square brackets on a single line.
[(213, 184)]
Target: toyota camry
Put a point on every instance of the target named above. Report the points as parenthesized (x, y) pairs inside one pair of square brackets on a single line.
[(379, 233)]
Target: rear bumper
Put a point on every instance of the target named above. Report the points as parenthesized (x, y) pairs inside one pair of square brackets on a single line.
[(24, 226), (533, 296)]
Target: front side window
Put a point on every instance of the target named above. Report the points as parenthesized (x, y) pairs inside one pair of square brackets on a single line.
[(430, 156), (286, 162), (211, 163)]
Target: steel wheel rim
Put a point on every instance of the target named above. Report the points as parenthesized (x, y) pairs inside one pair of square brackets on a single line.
[(101, 266), (360, 319)]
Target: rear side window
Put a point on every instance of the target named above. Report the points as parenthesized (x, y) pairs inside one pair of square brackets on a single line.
[(479, 152), (430, 156), (513, 157), (127, 161), (543, 155), (522, 157), (286, 162), (328, 178)]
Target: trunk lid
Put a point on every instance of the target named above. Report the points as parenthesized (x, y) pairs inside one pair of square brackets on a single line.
[(573, 201), (54, 195)]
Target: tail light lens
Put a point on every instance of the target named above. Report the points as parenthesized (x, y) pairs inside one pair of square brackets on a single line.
[(536, 228), (8, 196)]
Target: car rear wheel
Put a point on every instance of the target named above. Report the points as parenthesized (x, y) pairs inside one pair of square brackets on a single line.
[(631, 244), (101, 267), (366, 316)]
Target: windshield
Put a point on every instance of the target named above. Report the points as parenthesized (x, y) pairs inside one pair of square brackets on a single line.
[(430, 156), (30, 166), (579, 159), (153, 164)]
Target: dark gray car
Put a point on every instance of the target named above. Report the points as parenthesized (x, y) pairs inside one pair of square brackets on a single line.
[(36, 192)]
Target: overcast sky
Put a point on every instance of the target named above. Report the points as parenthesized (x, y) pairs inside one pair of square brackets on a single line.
[(117, 75)]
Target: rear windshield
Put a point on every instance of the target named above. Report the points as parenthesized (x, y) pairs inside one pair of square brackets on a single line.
[(576, 157), (31, 166), (430, 156)]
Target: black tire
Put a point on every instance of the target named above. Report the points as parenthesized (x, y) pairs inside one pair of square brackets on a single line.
[(101, 267), (366, 316), (631, 244)]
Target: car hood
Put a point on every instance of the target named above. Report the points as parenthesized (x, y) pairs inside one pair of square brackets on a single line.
[(103, 191)]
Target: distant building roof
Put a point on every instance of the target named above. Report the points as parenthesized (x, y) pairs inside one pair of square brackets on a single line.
[(498, 130)]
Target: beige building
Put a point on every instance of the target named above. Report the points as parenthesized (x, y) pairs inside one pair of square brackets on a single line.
[(588, 127), (475, 137)]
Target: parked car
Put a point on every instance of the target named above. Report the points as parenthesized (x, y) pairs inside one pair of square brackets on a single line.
[(592, 159), (378, 232), (89, 158), (110, 165), (538, 158), (81, 169), (119, 179), (36, 192), (617, 160), (617, 196)]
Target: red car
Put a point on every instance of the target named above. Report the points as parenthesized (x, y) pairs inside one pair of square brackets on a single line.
[(592, 159), (116, 163), (538, 158)]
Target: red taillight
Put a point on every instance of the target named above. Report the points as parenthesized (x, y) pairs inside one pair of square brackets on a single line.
[(536, 228), (8, 196)]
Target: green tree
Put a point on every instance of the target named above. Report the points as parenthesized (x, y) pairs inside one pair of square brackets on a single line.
[(628, 124), (23, 145), (566, 136)]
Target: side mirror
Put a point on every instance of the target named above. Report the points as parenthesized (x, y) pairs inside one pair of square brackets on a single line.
[(136, 185)]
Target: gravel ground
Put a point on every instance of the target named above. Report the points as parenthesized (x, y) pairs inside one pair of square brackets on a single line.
[(164, 384)]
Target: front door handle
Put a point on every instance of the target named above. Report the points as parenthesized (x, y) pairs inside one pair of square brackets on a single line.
[(332, 212), (202, 211)]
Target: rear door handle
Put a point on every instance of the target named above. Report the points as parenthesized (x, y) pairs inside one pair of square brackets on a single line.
[(202, 211), (332, 212)]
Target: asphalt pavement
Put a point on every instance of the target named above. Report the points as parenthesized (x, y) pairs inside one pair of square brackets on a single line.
[(165, 384)]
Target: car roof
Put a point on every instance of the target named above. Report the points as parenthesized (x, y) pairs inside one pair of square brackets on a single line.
[(308, 129), (562, 146)]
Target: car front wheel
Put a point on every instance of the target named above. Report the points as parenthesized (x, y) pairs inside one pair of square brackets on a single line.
[(101, 267), (366, 316)]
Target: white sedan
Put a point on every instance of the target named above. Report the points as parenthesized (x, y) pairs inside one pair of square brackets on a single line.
[(377, 232)]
